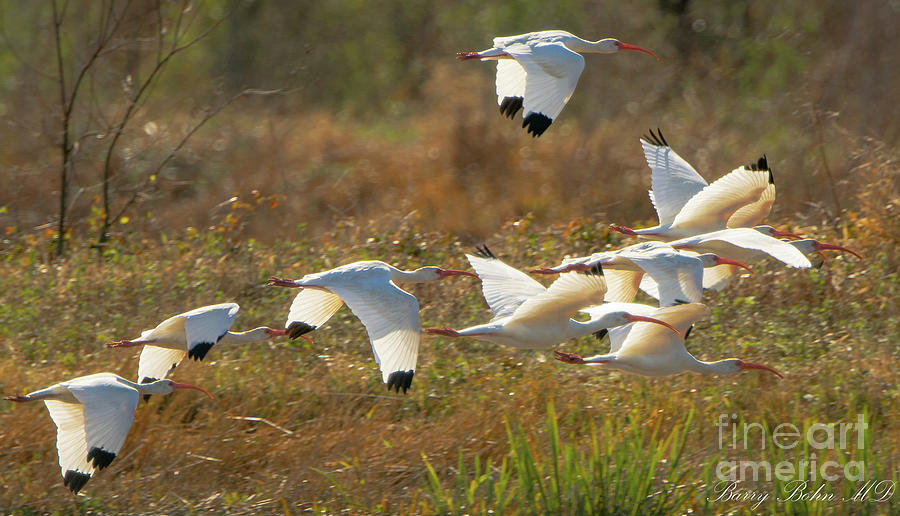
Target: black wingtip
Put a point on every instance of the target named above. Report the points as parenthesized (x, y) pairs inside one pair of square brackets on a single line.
[(75, 480), (656, 138), (199, 350), (100, 458), (688, 332), (681, 302), (400, 380), (537, 123), (484, 252), (510, 106), (601, 333), (595, 270), (762, 164), (298, 328)]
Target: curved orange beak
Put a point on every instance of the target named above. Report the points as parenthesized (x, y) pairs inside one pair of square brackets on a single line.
[(626, 46), (825, 247), (641, 318), (189, 386), (751, 365), (272, 332), (453, 272), (728, 261)]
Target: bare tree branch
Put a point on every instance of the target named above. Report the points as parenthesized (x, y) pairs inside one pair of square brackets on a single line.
[(206, 118), (134, 103)]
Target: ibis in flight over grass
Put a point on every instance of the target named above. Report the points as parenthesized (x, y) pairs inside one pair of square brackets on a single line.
[(93, 415), (389, 313), (190, 334), (686, 205), (650, 350), (528, 315), (537, 72)]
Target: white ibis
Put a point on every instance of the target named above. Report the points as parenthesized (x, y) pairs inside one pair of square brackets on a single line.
[(717, 278), (650, 351), (93, 415), (528, 315), (539, 71), (686, 205), (678, 276), (191, 334), (743, 244), (390, 314)]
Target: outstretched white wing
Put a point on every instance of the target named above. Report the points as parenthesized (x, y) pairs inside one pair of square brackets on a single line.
[(679, 277), (204, 326), (617, 335), (391, 317), (570, 293), (552, 72), (311, 309), (654, 339), (510, 85), (71, 444), (622, 285), (735, 244), (505, 288), (718, 202), (108, 413), (673, 181), (157, 363)]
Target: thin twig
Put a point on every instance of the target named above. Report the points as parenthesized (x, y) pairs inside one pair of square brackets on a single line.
[(821, 144), (262, 420)]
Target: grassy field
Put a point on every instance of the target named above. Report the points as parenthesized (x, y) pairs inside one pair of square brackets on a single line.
[(298, 427)]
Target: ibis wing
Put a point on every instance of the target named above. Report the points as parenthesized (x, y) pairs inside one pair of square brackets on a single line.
[(748, 238), (718, 277), (621, 285), (618, 334), (391, 317), (510, 80), (108, 413), (721, 199), (505, 288), (552, 72), (654, 339), (673, 181), (204, 327), (570, 293), (678, 277), (755, 212), (71, 443), (157, 363), (313, 307)]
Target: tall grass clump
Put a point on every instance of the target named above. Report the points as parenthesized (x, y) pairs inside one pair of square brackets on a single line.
[(627, 468)]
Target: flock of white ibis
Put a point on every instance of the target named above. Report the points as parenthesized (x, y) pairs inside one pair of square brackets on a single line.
[(706, 233)]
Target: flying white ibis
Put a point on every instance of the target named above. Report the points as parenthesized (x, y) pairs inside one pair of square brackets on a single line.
[(717, 278), (93, 415), (389, 313), (190, 334), (678, 276), (743, 244), (686, 205), (539, 71), (651, 351), (528, 315)]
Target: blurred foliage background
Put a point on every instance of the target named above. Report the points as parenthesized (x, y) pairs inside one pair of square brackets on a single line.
[(374, 118)]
